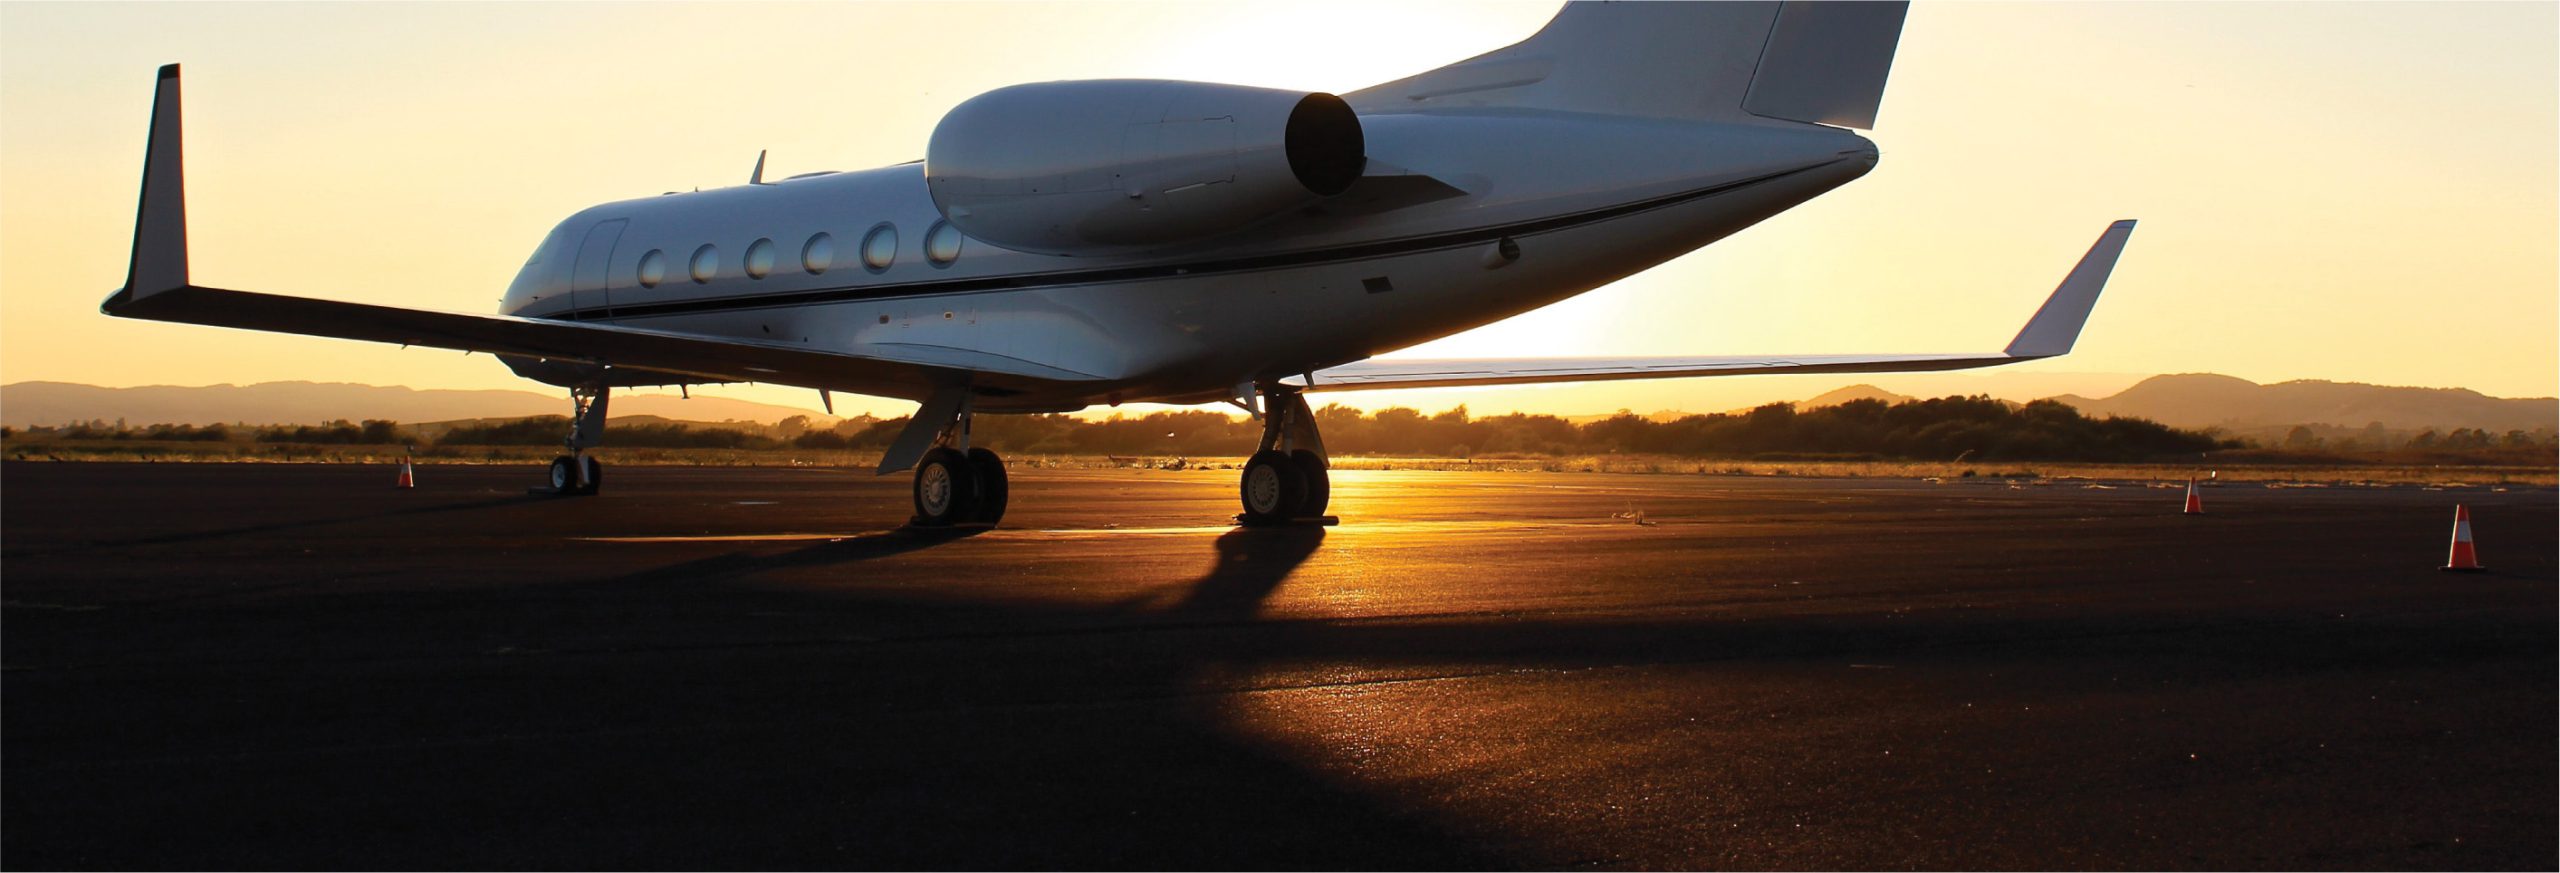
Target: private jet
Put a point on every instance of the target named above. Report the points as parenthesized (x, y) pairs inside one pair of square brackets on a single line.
[(1066, 244)]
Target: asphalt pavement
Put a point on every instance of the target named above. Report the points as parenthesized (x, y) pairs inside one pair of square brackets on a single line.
[(250, 665)]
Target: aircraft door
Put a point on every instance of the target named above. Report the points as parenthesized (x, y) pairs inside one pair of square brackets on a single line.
[(588, 280)]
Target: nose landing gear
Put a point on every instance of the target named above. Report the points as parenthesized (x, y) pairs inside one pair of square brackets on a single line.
[(1286, 480)]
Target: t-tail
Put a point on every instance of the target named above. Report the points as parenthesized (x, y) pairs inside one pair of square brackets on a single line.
[(1811, 62)]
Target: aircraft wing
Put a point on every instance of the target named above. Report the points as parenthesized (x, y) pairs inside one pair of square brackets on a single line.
[(893, 370), (2051, 333), (156, 288)]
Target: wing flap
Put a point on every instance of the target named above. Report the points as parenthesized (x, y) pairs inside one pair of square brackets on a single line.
[(1459, 372)]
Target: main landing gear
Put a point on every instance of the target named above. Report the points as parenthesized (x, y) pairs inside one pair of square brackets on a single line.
[(957, 484), (1285, 482), (578, 474)]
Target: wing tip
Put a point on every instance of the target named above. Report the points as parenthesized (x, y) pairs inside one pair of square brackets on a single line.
[(159, 259), (2057, 324)]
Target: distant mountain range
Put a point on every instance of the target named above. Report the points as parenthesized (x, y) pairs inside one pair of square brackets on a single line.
[(2191, 400), (2244, 408), (32, 403), (2198, 400)]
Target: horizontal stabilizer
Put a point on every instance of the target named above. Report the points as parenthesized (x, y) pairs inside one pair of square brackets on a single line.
[(2049, 334)]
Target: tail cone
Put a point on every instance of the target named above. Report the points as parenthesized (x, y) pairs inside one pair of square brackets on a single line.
[(2195, 504), (2462, 558)]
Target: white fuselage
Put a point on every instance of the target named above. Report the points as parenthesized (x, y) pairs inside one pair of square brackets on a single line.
[(1585, 200)]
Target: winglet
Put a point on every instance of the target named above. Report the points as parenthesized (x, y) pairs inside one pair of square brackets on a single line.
[(160, 223), (2057, 325), (757, 177)]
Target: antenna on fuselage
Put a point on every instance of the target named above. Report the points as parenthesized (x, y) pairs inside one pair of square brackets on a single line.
[(757, 177)]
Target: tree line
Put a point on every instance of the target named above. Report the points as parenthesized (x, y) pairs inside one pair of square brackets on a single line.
[(1945, 428)]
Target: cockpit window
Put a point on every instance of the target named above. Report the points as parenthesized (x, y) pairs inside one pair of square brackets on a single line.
[(547, 243)]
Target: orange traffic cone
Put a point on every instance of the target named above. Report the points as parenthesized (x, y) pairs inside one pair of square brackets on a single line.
[(406, 480), (2462, 559), (2195, 504)]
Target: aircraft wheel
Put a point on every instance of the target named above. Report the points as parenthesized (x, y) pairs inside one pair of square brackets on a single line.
[(988, 470), (1272, 488), (1311, 473), (945, 490), (595, 474), (564, 477)]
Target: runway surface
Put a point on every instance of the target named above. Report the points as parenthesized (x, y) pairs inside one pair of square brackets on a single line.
[(297, 666)]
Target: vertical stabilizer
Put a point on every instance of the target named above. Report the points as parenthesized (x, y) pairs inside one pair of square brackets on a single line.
[(1826, 63), (1818, 62)]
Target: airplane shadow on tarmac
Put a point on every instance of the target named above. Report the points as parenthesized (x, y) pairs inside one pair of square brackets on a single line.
[(738, 711), (272, 527), (1252, 562)]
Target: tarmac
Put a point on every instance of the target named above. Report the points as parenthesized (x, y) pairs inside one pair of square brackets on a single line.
[(281, 666)]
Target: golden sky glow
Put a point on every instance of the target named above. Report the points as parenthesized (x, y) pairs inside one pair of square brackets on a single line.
[(2360, 192)]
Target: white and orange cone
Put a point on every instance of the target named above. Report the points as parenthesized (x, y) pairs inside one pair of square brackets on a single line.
[(2462, 558), (2195, 504), (407, 480)]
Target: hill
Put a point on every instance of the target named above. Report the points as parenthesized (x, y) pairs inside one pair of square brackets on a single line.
[(1839, 396), (2196, 400), (24, 404)]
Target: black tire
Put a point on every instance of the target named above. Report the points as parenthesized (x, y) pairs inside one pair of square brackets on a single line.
[(1311, 473), (988, 471), (564, 477), (595, 475), (1271, 487), (945, 492)]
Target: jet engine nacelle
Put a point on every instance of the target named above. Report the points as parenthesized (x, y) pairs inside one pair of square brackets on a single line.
[(1092, 167)]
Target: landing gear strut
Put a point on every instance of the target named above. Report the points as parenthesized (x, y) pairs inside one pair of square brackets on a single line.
[(957, 484), (1286, 480), (577, 473)]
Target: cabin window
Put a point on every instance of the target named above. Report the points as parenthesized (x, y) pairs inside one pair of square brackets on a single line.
[(942, 244), (653, 268), (706, 263), (759, 258), (819, 254), (880, 247)]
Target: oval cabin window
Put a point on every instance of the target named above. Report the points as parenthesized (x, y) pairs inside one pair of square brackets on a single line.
[(759, 258), (819, 254), (653, 268), (880, 247), (706, 263), (942, 244)]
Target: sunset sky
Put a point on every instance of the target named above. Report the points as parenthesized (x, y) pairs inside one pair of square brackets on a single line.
[(2356, 192)]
